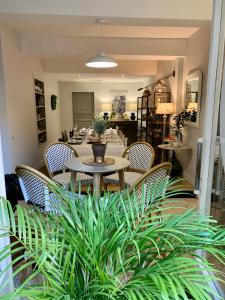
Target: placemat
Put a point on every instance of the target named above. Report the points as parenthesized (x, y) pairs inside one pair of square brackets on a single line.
[(107, 162)]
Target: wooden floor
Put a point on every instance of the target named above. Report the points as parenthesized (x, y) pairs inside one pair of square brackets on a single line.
[(110, 187)]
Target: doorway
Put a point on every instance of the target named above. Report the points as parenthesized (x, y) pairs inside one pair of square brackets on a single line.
[(83, 109)]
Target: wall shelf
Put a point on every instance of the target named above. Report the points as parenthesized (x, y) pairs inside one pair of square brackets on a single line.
[(39, 92)]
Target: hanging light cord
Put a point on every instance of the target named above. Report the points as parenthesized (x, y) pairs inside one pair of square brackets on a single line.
[(101, 22)]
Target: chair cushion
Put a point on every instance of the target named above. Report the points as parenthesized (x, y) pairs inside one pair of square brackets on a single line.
[(129, 178), (65, 179)]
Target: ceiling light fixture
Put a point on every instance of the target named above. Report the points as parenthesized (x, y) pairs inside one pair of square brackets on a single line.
[(101, 60)]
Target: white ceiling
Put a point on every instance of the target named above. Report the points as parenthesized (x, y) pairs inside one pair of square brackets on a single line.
[(137, 33), (101, 77), (143, 9)]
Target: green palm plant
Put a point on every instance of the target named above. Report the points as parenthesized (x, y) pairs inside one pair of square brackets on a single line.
[(117, 247)]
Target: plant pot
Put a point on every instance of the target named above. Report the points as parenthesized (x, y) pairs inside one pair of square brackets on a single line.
[(99, 152)]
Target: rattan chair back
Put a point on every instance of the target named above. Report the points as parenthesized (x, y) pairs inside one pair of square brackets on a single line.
[(55, 156), (141, 156), (34, 185)]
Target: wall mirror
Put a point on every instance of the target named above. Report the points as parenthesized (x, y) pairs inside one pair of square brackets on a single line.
[(193, 85)]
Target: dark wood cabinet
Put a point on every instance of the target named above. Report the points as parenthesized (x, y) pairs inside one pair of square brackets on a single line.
[(150, 124), (129, 129)]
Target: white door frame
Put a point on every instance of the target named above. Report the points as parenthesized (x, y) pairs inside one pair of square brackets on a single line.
[(215, 71), (4, 241)]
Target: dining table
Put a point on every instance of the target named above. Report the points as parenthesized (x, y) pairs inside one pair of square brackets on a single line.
[(86, 164), (115, 146)]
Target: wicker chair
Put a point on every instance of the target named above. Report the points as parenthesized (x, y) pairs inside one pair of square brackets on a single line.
[(34, 186), (152, 182), (55, 155), (141, 156)]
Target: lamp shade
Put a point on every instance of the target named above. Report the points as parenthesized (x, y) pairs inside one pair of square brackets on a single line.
[(101, 61), (164, 108), (192, 106)]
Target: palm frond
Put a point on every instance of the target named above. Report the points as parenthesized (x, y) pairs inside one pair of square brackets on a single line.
[(120, 246)]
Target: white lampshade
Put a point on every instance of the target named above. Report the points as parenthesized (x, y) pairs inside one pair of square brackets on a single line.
[(192, 106), (164, 108), (101, 61)]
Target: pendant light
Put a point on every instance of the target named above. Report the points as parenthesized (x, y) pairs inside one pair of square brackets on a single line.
[(101, 60)]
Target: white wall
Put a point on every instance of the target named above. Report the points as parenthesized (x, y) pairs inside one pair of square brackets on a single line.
[(103, 92), (19, 128), (19, 71), (53, 116), (197, 53), (197, 58), (175, 83)]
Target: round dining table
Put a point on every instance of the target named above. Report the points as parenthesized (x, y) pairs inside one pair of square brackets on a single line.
[(78, 164)]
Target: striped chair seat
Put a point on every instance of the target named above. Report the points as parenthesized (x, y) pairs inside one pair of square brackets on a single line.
[(129, 178), (65, 179)]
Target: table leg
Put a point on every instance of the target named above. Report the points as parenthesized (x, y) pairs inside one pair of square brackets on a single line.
[(97, 184), (73, 180), (176, 166), (162, 157), (121, 179)]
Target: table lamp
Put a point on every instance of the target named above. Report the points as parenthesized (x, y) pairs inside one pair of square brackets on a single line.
[(164, 109), (192, 106)]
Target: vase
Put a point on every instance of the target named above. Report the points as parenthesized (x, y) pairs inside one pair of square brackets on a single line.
[(99, 152), (106, 116), (132, 116)]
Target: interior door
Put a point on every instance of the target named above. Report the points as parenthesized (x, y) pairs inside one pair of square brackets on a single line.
[(83, 109)]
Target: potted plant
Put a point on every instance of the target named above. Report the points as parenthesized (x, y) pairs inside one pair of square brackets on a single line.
[(177, 127), (99, 126), (119, 247), (113, 115)]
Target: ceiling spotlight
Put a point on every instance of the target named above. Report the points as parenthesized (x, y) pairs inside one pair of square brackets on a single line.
[(101, 60)]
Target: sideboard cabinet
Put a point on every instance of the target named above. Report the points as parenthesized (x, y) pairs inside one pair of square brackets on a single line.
[(129, 129)]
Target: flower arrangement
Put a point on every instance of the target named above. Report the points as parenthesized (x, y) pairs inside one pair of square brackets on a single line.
[(113, 115), (125, 116), (177, 125)]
